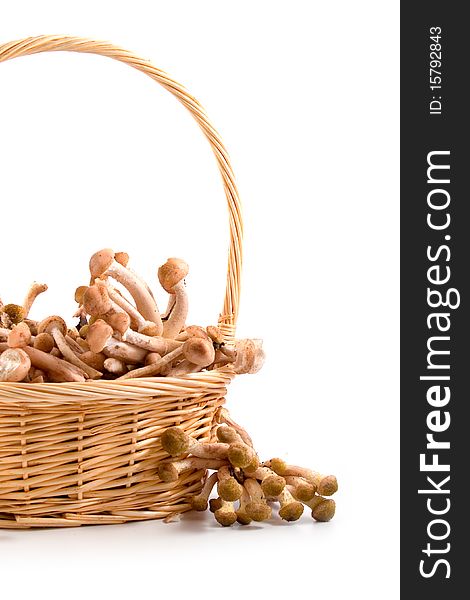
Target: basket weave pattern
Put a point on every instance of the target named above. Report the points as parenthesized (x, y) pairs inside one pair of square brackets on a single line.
[(87, 453)]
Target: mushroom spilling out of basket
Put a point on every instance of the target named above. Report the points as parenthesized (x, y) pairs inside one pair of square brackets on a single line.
[(121, 333), (246, 488)]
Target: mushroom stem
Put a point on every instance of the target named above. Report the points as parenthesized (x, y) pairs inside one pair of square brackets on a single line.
[(129, 354), (70, 355), (33, 292), (184, 368), (242, 516), (291, 509), (201, 500), (223, 416), (143, 326), (257, 508), (169, 308), (170, 471), (115, 366), (177, 317), (154, 368), (151, 343)]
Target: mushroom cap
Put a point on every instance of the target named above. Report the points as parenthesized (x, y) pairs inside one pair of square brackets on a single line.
[(15, 312), (93, 359), (324, 511), (167, 472), (14, 365), (253, 465), (328, 485), (272, 485), (199, 503), (172, 272), (229, 489), (96, 300), (258, 511), (242, 517), (122, 258), (227, 435), (48, 324), (175, 441), (100, 262), (304, 491), (19, 336), (199, 351), (197, 331), (277, 465), (240, 455), (79, 292), (215, 334), (291, 511), (98, 334), (225, 516), (44, 342), (119, 321)]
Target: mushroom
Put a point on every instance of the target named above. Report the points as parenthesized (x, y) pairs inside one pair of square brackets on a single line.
[(323, 509), (198, 352), (98, 334), (94, 359), (225, 515), (242, 516), (240, 454), (170, 471), (56, 327), (19, 336), (154, 368), (175, 441), (326, 485), (271, 483), (56, 368), (115, 366), (227, 434), (302, 489), (228, 487), (14, 365), (201, 500), (44, 342), (291, 509), (257, 508), (151, 343), (102, 263), (143, 326), (131, 355), (33, 292), (171, 276), (215, 334), (249, 356)]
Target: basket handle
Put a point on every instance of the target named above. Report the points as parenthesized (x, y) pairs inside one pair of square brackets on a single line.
[(53, 43)]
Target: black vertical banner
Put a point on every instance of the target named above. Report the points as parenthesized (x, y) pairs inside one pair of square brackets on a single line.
[(435, 306)]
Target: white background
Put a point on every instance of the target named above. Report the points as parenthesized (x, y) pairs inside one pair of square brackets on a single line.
[(94, 154)]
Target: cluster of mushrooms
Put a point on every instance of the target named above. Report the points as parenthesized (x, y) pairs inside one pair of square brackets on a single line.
[(120, 333), (245, 487)]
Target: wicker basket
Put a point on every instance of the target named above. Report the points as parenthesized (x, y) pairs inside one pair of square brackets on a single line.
[(87, 453)]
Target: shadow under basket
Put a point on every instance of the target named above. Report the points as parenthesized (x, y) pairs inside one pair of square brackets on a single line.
[(87, 453)]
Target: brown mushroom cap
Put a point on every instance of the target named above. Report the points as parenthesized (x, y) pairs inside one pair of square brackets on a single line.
[(15, 312), (44, 342), (175, 441), (19, 336), (240, 455), (122, 258), (48, 324), (98, 334), (172, 272), (79, 293), (199, 351), (272, 485), (229, 489), (100, 262), (324, 511), (258, 511), (96, 300), (291, 511), (14, 365)]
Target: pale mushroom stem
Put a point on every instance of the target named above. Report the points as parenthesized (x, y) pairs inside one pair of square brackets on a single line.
[(155, 368), (177, 316), (33, 292), (70, 355)]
